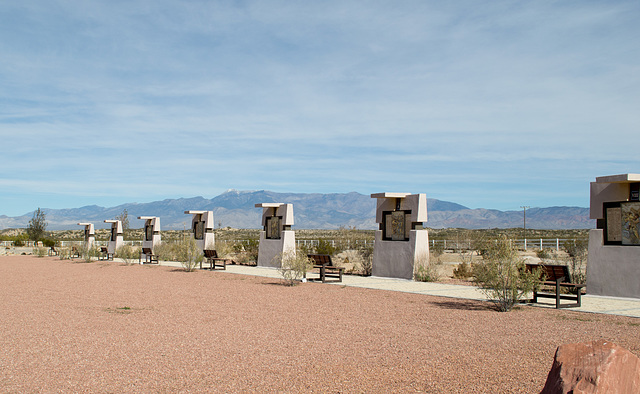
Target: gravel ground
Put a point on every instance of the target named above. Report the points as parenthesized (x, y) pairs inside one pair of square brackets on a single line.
[(107, 327)]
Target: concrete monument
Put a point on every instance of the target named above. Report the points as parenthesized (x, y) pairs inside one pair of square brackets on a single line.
[(613, 267), (401, 241), (202, 227), (276, 236), (89, 235), (151, 237), (116, 239)]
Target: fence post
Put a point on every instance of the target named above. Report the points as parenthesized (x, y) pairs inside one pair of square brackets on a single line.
[(525, 244), (540, 243), (557, 244)]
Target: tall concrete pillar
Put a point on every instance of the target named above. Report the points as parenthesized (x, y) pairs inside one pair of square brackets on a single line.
[(89, 235), (151, 236), (400, 241), (116, 239), (202, 226), (276, 236)]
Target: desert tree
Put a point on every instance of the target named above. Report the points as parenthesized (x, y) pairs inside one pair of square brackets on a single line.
[(124, 219), (37, 225)]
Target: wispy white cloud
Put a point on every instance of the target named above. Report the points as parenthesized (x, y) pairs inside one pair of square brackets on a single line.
[(475, 104)]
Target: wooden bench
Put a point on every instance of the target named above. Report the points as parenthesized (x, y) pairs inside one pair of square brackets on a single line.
[(104, 254), (327, 269), (149, 257), (53, 251), (74, 252), (211, 258), (556, 277)]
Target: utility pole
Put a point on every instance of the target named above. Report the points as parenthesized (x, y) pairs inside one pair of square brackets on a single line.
[(524, 224)]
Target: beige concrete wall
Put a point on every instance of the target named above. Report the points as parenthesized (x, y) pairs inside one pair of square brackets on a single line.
[(606, 192), (612, 270), (396, 259)]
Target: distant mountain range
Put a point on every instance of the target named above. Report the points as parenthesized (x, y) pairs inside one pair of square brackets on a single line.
[(311, 211)]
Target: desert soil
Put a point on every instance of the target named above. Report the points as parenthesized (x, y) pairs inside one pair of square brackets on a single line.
[(107, 327)]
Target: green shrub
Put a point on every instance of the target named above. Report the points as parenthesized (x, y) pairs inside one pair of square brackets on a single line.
[(366, 263), (89, 254), (325, 247), (502, 275), (129, 254), (49, 243), (189, 254), (293, 266), (463, 271), (577, 252), (426, 270), (64, 253), (39, 251), (247, 251)]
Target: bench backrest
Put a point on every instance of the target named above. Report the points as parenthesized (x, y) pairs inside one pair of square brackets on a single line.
[(552, 272), (146, 251), (321, 259), (210, 254)]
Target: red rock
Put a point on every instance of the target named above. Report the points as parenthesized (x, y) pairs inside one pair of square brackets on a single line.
[(596, 367)]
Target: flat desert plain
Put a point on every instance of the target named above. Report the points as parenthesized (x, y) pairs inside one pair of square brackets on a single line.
[(70, 326)]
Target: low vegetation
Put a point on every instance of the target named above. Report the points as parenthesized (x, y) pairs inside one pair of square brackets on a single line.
[(293, 266), (426, 269), (502, 275)]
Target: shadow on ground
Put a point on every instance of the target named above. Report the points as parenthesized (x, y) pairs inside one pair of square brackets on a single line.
[(464, 305)]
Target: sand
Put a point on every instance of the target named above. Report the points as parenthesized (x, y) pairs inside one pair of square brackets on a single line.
[(107, 327)]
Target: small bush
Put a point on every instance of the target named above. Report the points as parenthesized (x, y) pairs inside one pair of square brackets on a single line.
[(64, 253), (325, 247), (366, 265), (89, 254), (577, 261), (502, 275), (426, 270), (189, 254), (293, 266), (247, 251), (224, 249), (49, 243), (39, 251), (128, 254), (351, 259), (463, 271), (18, 242)]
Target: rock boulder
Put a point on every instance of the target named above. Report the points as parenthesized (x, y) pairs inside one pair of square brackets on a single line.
[(595, 367)]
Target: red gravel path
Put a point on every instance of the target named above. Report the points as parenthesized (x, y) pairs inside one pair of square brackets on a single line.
[(67, 327)]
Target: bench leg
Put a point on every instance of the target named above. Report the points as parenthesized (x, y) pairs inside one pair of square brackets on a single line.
[(557, 294), (322, 275), (579, 297)]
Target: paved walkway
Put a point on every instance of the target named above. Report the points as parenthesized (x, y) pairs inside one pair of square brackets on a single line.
[(591, 304)]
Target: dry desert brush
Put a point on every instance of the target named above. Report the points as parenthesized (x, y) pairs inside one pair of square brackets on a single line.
[(427, 270), (129, 254), (502, 275), (189, 254), (293, 266)]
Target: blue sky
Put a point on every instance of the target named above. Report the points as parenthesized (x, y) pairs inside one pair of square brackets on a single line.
[(494, 105)]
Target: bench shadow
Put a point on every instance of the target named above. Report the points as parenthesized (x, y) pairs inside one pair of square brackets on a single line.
[(466, 305)]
